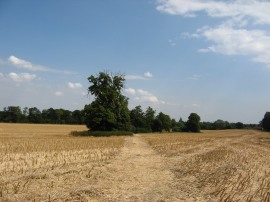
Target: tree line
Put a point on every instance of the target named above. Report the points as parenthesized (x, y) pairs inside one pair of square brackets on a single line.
[(14, 114), (140, 121)]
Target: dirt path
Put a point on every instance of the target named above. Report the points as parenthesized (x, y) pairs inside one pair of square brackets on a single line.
[(137, 174)]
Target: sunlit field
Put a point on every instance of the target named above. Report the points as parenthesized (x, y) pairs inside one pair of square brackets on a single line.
[(45, 163), (229, 165)]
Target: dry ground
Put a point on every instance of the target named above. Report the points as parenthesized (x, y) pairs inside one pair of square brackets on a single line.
[(44, 163), (232, 165)]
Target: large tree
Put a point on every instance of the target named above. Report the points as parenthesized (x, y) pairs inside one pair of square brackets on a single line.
[(266, 121), (109, 111), (193, 123)]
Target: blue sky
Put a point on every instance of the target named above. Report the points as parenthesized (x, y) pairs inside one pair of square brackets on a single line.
[(179, 56)]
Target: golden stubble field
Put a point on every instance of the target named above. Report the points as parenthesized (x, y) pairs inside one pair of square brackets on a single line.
[(45, 163), (229, 165)]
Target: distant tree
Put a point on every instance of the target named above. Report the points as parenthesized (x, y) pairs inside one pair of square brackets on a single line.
[(227, 125), (157, 125), (162, 122), (207, 126), (266, 121), (12, 114), (1, 116), (181, 124), (66, 117), (77, 117), (193, 123), (149, 116), (174, 124), (25, 114), (109, 111), (137, 119), (219, 125), (34, 115), (178, 126), (51, 116), (239, 125)]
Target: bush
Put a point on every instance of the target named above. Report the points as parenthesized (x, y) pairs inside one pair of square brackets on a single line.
[(266, 122), (101, 133)]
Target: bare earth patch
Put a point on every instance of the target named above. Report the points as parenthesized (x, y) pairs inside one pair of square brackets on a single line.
[(137, 174)]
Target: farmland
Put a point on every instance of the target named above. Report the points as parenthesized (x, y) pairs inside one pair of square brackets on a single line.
[(42, 162), (230, 165), (45, 163)]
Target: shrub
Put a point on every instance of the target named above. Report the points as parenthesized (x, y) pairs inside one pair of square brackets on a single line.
[(101, 133)]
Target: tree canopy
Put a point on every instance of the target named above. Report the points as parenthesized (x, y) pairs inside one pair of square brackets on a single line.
[(193, 123), (266, 121), (109, 111)]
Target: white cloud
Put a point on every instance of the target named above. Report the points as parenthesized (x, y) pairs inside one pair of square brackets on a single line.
[(254, 11), (84, 93), (74, 85), (58, 93), (1, 76), (231, 41), (148, 98), (148, 74), (236, 34), (23, 64), (135, 77), (130, 91), (21, 77), (171, 42), (142, 92), (142, 95), (163, 102)]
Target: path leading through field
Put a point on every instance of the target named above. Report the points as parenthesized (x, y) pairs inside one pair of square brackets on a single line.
[(138, 174)]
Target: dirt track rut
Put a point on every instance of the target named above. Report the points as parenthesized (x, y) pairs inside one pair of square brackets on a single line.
[(137, 174)]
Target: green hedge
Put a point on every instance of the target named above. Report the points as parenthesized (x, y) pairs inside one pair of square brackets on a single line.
[(101, 133)]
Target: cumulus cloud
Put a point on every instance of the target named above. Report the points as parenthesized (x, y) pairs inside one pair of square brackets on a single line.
[(21, 77), (142, 95), (130, 91), (74, 85), (231, 41), (23, 64), (135, 77), (148, 74), (58, 93), (239, 10), (236, 34)]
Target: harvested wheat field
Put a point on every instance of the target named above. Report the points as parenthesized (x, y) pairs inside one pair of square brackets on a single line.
[(45, 163)]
